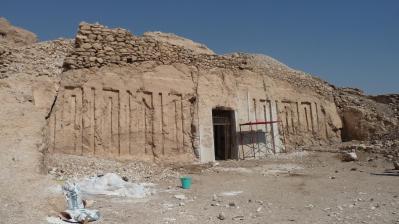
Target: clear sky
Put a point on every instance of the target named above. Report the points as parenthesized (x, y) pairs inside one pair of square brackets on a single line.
[(346, 42)]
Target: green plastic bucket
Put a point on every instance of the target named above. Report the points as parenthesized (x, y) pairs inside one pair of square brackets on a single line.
[(185, 182)]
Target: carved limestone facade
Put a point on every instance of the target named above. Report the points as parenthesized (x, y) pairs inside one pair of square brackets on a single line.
[(173, 104)]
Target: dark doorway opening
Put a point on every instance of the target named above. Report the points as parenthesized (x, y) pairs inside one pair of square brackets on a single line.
[(224, 134)]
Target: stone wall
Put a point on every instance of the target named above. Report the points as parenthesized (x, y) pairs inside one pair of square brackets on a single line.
[(96, 46)]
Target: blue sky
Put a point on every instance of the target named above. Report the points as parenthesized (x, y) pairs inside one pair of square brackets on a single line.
[(346, 42)]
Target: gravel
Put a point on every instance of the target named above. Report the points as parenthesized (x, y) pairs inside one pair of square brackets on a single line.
[(64, 167)]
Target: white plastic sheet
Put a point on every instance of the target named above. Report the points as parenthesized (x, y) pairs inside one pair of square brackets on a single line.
[(113, 185), (76, 212)]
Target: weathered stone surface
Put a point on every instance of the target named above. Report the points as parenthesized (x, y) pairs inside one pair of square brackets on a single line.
[(117, 106), (179, 41), (171, 91), (97, 46), (166, 49), (15, 36), (99, 60), (367, 117), (86, 46), (257, 87)]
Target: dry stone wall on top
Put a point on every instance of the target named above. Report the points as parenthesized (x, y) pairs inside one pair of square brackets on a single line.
[(97, 45)]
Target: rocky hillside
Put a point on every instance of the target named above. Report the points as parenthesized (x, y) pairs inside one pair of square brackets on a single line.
[(40, 59), (15, 36), (367, 117), (29, 77), (179, 41)]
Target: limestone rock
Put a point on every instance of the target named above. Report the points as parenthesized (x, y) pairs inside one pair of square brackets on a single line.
[(222, 216), (179, 41), (349, 156), (367, 118), (180, 196), (86, 46), (15, 36), (99, 60)]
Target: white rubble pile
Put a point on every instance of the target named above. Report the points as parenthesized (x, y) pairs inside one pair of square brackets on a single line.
[(113, 185)]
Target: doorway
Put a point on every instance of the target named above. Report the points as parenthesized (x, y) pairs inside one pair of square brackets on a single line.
[(223, 133)]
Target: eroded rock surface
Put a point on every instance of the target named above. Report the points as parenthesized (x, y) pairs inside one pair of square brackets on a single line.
[(367, 117), (29, 79), (143, 97), (11, 35), (180, 41)]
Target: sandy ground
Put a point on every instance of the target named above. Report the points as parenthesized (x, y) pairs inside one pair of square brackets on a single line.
[(293, 188)]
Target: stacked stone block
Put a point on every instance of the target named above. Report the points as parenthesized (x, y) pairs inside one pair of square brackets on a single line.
[(97, 45)]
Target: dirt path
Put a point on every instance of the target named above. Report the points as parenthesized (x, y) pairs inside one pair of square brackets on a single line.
[(316, 188)]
